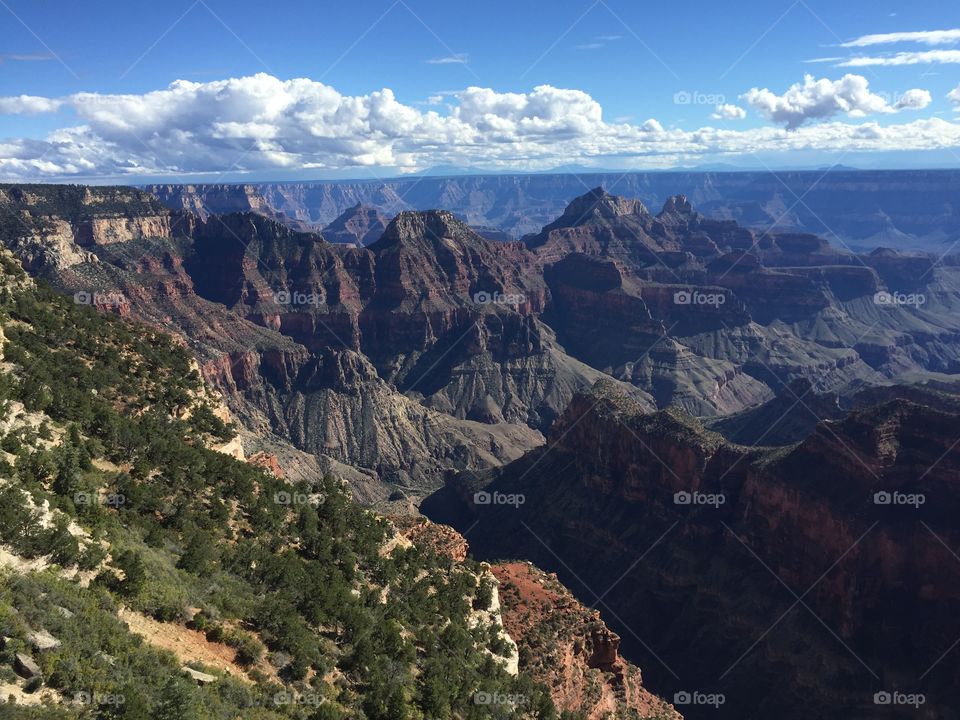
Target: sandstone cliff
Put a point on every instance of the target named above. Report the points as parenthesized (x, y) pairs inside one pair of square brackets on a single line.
[(560, 642)]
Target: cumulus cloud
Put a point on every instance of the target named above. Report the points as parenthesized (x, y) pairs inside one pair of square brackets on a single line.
[(925, 57), (263, 124), (913, 100), (819, 99), (547, 111), (926, 37), (726, 111)]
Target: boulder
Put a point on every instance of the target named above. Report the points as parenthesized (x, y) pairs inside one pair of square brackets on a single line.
[(201, 678), (25, 666), (42, 640)]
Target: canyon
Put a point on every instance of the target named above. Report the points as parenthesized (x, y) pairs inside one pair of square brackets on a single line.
[(670, 407)]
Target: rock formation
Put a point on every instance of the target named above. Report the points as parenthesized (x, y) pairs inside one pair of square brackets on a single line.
[(359, 225), (697, 549), (560, 642), (434, 348)]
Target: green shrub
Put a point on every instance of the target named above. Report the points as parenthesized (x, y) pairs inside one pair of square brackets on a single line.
[(249, 650)]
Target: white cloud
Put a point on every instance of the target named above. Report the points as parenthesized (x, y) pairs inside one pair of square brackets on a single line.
[(926, 37), (913, 100), (545, 111), (28, 105), (726, 111), (261, 124), (819, 99), (954, 97), (455, 59), (926, 57)]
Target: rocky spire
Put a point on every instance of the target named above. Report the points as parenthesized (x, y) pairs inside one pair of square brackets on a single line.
[(677, 210), (597, 207)]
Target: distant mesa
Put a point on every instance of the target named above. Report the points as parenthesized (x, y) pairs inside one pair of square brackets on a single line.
[(915, 209)]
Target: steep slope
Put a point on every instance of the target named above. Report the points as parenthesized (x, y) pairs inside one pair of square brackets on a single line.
[(561, 643), (309, 601), (568, 647), (183, 583), (56, 225), (215, 285), (443, 315), (699, 551)]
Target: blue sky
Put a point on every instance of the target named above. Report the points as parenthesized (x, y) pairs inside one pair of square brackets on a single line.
[(637, 61)]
